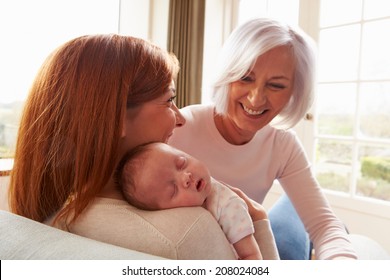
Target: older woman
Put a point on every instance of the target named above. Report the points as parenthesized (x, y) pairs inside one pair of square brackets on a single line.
[(263, 86)]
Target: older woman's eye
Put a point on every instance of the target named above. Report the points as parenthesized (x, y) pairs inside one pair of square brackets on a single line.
[(247, 79), (277, 86)]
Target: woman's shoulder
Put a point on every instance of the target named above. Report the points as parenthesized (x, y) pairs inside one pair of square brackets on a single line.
[(119, 212), (275, 135), (283, 133), (195, 111), (199, 124), (166, 233), (276, 143)]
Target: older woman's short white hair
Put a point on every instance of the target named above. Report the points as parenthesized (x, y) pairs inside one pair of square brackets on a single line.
[(254, 38)]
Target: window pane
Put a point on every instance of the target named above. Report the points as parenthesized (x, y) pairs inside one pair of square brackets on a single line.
[(34, 28), (375, 110), (251, 8), (333, 164), (336, 108), (376, 8), (335, 12), (375, 50), (374, 173), (353, 98), (31, 30), (286, 10), (9, 122), (339, 53)]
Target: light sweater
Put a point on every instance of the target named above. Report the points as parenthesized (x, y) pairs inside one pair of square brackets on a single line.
[(253, 167), (184, 233)]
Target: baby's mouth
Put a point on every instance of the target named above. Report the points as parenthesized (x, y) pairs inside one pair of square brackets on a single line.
[(200, 185)]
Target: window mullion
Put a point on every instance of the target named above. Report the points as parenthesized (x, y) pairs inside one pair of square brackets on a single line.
[(356, 131)]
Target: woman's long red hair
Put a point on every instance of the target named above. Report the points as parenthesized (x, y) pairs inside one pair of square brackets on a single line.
[(68, 139)]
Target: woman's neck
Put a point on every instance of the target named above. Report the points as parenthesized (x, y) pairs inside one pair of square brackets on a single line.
[(229, 132), (111, 190)]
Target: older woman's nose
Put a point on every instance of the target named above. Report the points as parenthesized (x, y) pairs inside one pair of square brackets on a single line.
[(257, 97)]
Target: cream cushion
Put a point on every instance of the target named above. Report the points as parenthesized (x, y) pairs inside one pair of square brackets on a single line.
[(22, 238)]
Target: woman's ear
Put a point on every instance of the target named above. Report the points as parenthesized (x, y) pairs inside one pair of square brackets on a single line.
[(129, 117), (123, 132), (124, 125)]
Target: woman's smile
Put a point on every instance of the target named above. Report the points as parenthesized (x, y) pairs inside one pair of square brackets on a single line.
[(253, 112)]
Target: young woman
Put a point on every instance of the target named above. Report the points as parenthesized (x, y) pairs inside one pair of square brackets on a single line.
[(94, 98)]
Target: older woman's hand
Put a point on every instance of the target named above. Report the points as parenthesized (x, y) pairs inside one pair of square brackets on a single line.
[(255, 209)]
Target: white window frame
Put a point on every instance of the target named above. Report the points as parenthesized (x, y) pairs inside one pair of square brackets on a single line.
[(363, 215), (309, 15)]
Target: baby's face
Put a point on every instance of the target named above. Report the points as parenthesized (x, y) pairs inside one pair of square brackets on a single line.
[(170, 178)]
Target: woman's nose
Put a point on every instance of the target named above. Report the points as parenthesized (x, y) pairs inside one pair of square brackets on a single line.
[(180, 120), (257, 97)]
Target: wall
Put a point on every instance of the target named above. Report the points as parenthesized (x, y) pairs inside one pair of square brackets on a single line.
[(147, 19)]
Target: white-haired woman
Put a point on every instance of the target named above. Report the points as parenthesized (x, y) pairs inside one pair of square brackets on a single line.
[(264, 86)]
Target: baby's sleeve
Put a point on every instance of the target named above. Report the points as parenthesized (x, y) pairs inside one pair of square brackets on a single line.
[(234, 218)]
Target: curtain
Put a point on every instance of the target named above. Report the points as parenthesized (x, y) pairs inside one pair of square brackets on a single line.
[(185, 40)]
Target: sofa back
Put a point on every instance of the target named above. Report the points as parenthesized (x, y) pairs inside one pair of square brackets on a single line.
[(22, 238)]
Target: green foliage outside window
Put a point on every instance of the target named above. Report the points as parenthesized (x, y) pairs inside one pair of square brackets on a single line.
[(376, 167)]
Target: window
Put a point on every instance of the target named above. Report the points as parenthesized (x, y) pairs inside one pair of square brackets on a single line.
[(286, 10), (30, 31), (352, 139)]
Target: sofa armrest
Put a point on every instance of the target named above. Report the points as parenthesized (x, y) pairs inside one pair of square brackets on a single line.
[(367, 248), (22, 238)]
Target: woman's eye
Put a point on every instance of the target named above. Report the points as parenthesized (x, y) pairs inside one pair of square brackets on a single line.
[(172, 99), (277, 86), (247, 79)]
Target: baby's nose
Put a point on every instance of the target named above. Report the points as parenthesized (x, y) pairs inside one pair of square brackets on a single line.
[(188, 180)]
